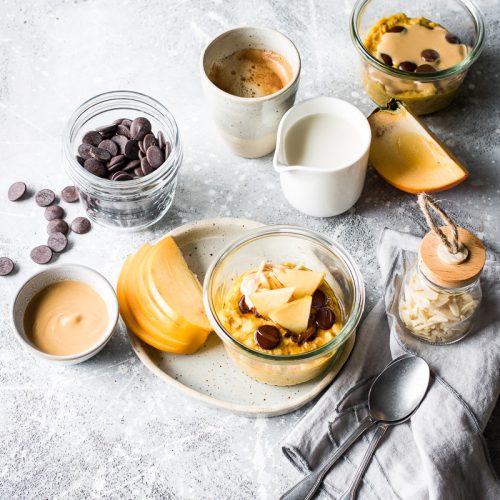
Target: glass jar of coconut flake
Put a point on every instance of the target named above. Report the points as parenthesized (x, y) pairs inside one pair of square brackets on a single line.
[(441, 293)]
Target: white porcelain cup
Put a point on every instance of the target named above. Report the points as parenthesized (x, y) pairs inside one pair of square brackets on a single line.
[(248, 125), (322, 191)]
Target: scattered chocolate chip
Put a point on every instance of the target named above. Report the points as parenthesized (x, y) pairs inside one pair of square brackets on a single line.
[(131, 150), (267, 336), (132, 165), (121, 140), (155, 156), (45, 197), (242, 304), (54, 212), (161, 140), (57, 226), (319, 299), (16, 191), (396, 29), (80, 225), (325, 318), (451, 38), (6, 266), (407, 66), (425, 68), (95, 167), (57, 242), (122, 130), (70, 194), (387, 59), (92, 137), (109, 146), (430, 55), (41, 254), (139, 128)]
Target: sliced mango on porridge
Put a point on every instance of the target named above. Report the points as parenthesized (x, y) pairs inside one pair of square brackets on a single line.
[(305, 282), (293, 316)]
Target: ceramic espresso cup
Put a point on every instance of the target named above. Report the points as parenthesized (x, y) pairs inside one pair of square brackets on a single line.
[(248, 125)]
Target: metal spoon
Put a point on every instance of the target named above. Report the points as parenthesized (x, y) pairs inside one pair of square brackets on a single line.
[(394, 395)]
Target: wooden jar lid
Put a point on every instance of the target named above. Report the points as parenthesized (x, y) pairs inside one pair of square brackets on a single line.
[(451, 275)]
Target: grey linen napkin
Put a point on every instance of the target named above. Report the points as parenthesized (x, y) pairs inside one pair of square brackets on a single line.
[(440, 453)]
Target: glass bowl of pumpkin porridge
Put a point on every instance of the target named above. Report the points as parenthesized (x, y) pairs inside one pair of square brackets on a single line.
[(283, 300)]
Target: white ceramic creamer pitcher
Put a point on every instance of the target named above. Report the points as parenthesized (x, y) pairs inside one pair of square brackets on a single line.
[(337, 138)]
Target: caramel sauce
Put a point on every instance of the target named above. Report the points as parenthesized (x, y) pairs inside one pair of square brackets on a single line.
[(65, 318)]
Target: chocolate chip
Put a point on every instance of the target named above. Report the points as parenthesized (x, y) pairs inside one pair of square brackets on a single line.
[(118, 121), (84, 150), (319, 299), (116, 174), (132, 165), (92, 137), (139, 128), (148, 141), (267, 336), (146, 167), (41, 254), (109, 146), (80, 225), (407, 66), (126, 122), (123, 176), (138, 173), (309, 335), (45, 197), (70, 194), (122, 130), (16, 191), (57, 242), (396, 29), (325, 318), (100, 154), (425, 68), (141, 154), (6, 266), (161, 140), (429, 55), (54, 212), (155, 156), (451, 38), (121, 140), (80, 160), (117, 166), (107, 130), (95, 167), (387, 59), (131, 150), (242, 304), (57, 226)]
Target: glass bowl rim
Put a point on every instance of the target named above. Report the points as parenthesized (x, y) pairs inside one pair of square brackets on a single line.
[(279, 230), (469, 59), (170, 166)]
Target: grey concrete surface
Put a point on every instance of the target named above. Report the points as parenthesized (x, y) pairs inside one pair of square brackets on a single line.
[(108, 428)]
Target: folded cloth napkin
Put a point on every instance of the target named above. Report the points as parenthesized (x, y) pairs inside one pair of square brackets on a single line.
[(440, 453)]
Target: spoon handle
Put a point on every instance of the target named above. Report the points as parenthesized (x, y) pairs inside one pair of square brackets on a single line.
[(350, 493), (305, 489)]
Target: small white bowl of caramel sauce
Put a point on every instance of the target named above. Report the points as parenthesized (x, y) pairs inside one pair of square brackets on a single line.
[(65, 314)]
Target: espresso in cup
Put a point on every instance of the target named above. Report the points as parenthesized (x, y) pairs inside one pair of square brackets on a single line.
[(251, 73)]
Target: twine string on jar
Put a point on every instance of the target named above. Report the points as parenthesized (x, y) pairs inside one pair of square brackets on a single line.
[(426, 203)]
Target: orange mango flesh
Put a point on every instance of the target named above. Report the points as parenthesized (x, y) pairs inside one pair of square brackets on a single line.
[(151, 315), (408, 156)]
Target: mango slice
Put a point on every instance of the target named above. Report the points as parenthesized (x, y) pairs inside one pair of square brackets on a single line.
[(268, 300), (408, 155), (293, 316), (305, 282)]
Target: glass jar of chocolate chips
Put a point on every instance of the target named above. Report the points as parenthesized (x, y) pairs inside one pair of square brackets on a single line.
[(123, 152)]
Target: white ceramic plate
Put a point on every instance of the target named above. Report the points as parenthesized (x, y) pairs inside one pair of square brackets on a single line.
[(209, 375)]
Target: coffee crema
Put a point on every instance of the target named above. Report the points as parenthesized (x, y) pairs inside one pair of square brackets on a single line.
[(251, 73)]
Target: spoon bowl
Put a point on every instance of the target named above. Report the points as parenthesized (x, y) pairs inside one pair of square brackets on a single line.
[(399, 389)]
